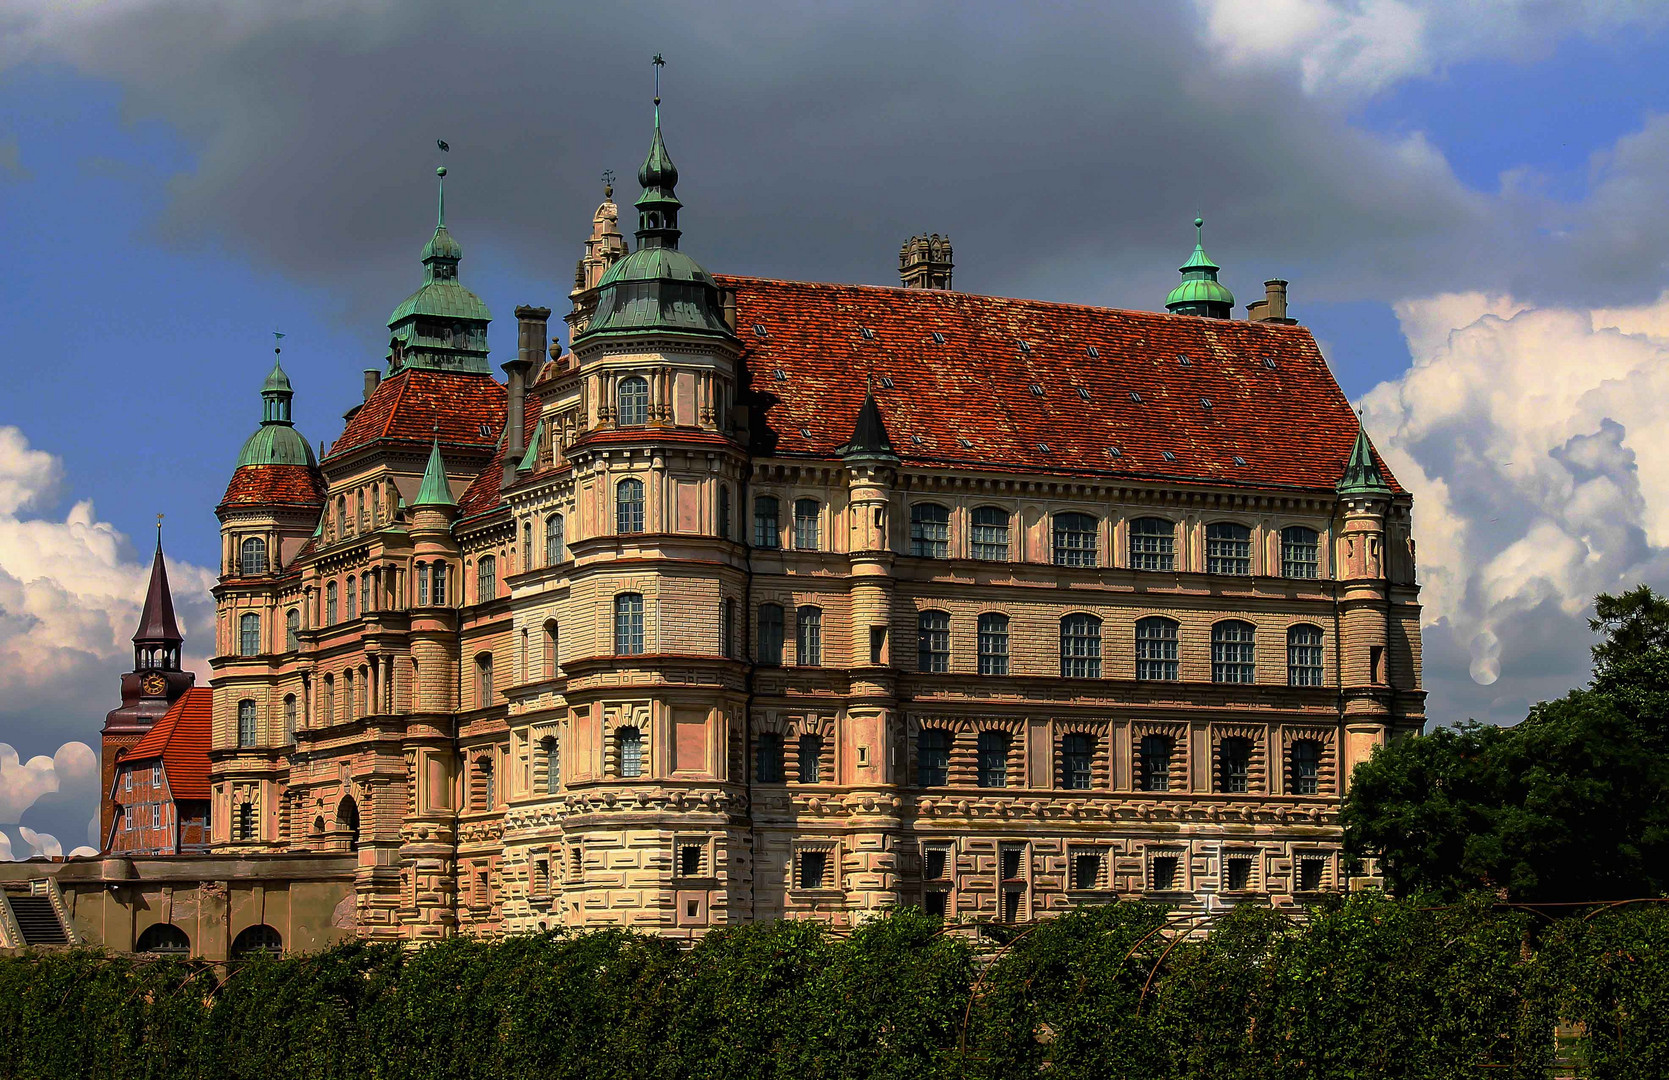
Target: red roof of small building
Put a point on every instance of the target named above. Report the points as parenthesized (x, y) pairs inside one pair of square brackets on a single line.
[(181, 740), (971, 381), (408, 406), (275, 485), (483, 493)]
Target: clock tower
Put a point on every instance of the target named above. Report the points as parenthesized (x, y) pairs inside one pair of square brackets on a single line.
[(154, 684)]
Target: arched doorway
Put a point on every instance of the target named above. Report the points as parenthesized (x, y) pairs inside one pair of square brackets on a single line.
[(257, 940), (163, 939)]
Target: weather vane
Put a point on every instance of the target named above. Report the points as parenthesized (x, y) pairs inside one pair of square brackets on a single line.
[(659, 63), (276, 338), (608, 177)]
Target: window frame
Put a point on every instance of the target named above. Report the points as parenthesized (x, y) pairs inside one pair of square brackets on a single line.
[(768, 752), (1234, 774), (767, 522), (486, 579), (935, 771), (1304, 773), (635, 411), (249, 634), (1234, 652), (1081, 661), (992, 643), (771, 631), (814, 742), (556, 539), (933, 641), (628, 606), (929, 536), (1301, 555), (1071, 542), (252, 556), (987, 538), (808, 526), (991, 758), (1077, 761), (1158, 656), (628, 743), (1228, 553), (1151, 549), (248, 724), (1300, 670), (629, 515), (808, 636)]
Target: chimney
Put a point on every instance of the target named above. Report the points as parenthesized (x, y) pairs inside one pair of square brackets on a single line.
[(531, 325), (373, 379), (727, 298), (924, 262), (1273, 306)]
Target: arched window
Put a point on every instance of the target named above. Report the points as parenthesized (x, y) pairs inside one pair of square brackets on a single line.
[(555, 545), (724, 512), (244, 826), (246, 723), (330, 699), (1080, 646), (330, 603), (527, 545), (552, 640), (252, 556), (993, 759), (1300, 552), (484, 680), (930, 531), (352, 599), (1075, 536), (806, 516), (989, 533), (1234, 765), (341, 517), (933, 757), (1306, 767), (770, 634), (249, 634), (1155, 756), (933, 641), (163, 939), (422, 573), (630, 742), (993, 643), (292, 630), (1232, 657), (486, 579), (1152, 544), (628, 506), (551, 751), (633, 400), (1156, 649), (767, 533), (1304, 656), (257, 940), (437, 583), (767, 768), (808, 637), (289, 718), (365, 594), (489, 783), (811, 759), (347, 819), (350, 703), (1228, 549), (1077, 755), (628, 624)]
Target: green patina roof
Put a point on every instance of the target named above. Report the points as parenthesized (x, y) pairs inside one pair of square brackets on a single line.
[(276, 444), (1200, 292), (1361, 472), (442, 326), (436, 491), (531, 459), (277, 382)]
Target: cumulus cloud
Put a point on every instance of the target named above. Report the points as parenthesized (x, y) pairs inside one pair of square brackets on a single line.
[(1531, 439), (70, 594)]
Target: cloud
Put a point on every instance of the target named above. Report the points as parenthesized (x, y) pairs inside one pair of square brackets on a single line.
[(70, 595), (1530, 438)]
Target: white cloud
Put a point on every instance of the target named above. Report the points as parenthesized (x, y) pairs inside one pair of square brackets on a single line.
[(1359, 47), (23, 782), (1531, 439)]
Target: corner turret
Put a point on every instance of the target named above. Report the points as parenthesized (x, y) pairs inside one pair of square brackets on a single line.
[(1200, 292)]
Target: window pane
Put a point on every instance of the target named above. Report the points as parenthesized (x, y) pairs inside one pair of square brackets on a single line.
[(1077, 754), (993, 644), (933, 757), (246, 723), (768, 759), (1156, 649), (808, 638), (811, 758), (993, 759), (1152, 544), (1231, 653), (555, 545), (933, 641), (631, 752), (770, 634), (930, 531), (249, 634), (1300, 552), (634, 401), (1156, 762), (1304, 656), (1228, 549), (990, 533), (766, 533), (1081, 647), (1306, 767), (1075, 539), (628, 624), (1235, 764), (486, 579), (628, 506), (806, 524)]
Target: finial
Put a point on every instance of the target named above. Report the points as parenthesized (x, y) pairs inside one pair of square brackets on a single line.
[(659, 63), (1199, 223), (608, 183), (440, 212), (159, 532), (276, 338)]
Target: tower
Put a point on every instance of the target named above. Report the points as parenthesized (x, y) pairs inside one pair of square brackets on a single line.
[(154, 684), (1200, 292), (442, 326), (603, 248), (924, 262), (1365, 623)]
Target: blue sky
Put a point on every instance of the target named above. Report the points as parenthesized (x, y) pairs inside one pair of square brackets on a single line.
[(1453, 190)]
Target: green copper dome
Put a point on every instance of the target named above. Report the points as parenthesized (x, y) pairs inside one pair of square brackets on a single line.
[(1200, 292), (442, 326), (276, 441), (657, 287)]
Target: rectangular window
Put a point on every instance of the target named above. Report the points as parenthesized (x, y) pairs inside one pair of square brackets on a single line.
[(1075, 539), (689, 860), (1300, 552), (1235, 765), (814, 870), (934, 862), (929, 531), (1312, 873), (1152, 544), (770, 634), (993, 644), (1080, 647), (1162, 873), (1086, 871), (1009, 858), (1156, 649), (156, 775), (1237, 873), (936, 902), (1011, 903), (808, 637), (1228, 549), (766, 532), (933, 642), (877, 645), (1304, 666), (806, 524), (990, 533)]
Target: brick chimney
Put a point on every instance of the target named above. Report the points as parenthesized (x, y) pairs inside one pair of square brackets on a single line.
[(1273, 306), (924, 262), (531, 323)]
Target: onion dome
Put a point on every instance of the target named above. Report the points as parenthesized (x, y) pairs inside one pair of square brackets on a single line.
[(276, 441), (657, 287), (442, 326), (1200, 292)]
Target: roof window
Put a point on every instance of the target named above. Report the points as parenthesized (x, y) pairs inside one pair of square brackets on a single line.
[(1026, 348), (964, 443), (886, 382), (938, 338), (1094, 353), (868, 334), (1205, 403), (1083, 393), (805, 431), (1113, 451), (486, 431), (1037, 391), (917, 439), (782, 376), (760, 332), (1238, 460), (1137, 398), (1269, 362), (1168, 456), (1044, 447), (1182, 358)]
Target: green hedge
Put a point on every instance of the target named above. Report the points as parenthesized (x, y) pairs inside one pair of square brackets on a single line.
[(1371, 987)]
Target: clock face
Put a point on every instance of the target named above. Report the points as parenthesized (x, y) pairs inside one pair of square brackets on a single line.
[(154, 685)]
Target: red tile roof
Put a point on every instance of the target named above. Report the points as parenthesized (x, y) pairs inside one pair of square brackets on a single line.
[(483, 492), (181, 740), (275, 485), (1013, 385), (407, 405)]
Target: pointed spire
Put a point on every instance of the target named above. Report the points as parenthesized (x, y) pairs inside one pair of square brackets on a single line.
[(156, 622), (1361, 472), (658, 206), (436, 490), (1200, 292), (869, 434), (530, 460)]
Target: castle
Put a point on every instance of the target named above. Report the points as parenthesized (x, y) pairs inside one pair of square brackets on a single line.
[(774, 599)]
